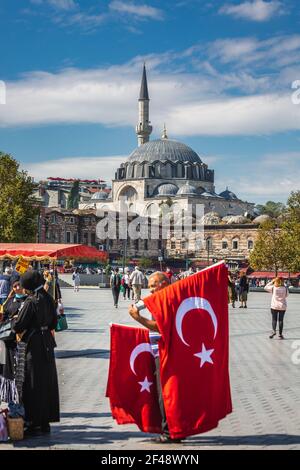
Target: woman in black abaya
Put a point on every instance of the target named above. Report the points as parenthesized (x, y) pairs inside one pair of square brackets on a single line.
[(36, 320)]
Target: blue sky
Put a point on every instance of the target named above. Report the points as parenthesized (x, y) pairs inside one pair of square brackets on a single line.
[(220, 75)]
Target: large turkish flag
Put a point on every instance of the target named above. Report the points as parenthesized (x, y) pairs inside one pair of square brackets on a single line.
[(131, 385), (192, 317)]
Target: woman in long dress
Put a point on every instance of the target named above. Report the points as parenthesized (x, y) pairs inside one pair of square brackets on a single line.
[(36, 320)]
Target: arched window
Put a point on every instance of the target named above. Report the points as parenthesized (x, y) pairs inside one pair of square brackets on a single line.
[(250, 244), (224, 244), (235, 244)]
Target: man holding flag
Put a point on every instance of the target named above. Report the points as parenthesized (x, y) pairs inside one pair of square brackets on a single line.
[(157, 281), (190, 327)]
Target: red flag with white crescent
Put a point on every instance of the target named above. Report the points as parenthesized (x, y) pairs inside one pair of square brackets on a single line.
[(192, 317), (131, 385)]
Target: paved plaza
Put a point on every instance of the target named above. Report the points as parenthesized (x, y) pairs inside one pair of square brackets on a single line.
[(264, 380)]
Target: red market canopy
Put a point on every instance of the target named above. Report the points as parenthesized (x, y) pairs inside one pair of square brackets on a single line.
[(52, 251), (271, 275)]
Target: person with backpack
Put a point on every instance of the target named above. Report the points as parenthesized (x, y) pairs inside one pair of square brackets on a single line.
[(115, 284), (278, 304)]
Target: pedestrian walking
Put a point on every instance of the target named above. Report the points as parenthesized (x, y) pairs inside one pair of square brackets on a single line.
[(76, 280), (243, 290), (126, 286), (278, 304), (115, 284), (137, 280), (231, 290)]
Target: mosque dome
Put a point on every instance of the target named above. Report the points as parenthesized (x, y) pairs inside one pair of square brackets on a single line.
[(211, 218), (261, 219), (234, 219), (164, 149), (228, 195), (166, 189), (187, 190), (99, 195)]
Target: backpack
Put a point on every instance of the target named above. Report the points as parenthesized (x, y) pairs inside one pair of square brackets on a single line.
[(116, 280)]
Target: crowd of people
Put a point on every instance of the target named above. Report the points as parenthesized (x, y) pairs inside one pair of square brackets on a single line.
[(29, 303)]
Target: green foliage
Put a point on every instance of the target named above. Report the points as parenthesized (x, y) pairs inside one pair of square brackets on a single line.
[(271, 208), (291, 231), (18, 208), (145, 263), (278, 248), (270, 250), (73, 198)]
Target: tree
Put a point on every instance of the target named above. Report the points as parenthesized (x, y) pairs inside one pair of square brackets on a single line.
[(73, 198), (18, 207), (291, 231), (270, 250), (271, 208), (145, 263)]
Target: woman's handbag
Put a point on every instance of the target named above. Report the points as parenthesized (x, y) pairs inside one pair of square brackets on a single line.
[(6, 333), (62, 323)]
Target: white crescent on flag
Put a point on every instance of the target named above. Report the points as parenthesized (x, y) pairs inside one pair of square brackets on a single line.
[(194, 303), (140, 348)]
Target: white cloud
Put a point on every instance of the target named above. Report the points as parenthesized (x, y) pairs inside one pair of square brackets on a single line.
[(234, 96), (109, 96), (77, 167), (141, 11), (256, 10), (272, 177), (58, 4)]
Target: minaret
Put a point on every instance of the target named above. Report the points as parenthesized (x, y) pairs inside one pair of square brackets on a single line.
[(143, 129)]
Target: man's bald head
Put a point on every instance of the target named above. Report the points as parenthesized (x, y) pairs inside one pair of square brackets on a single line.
[(158, 281)]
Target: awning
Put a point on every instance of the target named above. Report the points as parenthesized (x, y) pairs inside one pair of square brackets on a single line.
[(271, 275), (52, 251)]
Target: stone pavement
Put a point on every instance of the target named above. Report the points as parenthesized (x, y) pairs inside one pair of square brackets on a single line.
[(265, 382)]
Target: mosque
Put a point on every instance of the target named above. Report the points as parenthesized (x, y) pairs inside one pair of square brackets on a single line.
[(165, 169)]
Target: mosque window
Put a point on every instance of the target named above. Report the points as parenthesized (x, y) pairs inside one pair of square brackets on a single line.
[(224, 244), (250, 244), (235, 244), (68, 234)]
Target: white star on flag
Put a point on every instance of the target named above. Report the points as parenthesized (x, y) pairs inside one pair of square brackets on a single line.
[(145, 385), (204, 355)]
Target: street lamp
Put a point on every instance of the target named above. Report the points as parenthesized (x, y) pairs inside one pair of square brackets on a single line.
[(207, 248)]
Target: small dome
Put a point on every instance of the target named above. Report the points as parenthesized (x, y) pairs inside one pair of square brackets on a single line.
[(211, 218), (234, 219), (228, 195), (166, 189), (164, 149), (261, 219), (187, 190), (99, 195)]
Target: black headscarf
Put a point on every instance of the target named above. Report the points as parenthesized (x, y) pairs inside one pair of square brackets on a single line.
[(32, 280)]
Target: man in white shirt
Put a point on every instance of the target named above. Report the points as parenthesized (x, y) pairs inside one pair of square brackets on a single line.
[(137, 280)]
